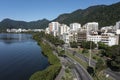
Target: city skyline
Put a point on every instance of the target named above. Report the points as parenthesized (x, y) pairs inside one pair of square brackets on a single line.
[(36, 10)]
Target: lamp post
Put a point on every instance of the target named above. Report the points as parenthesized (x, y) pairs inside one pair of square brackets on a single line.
[(64, 50), (90, 54)]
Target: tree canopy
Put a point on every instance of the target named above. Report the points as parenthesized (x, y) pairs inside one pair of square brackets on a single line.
[(88, 44), (114, 54)]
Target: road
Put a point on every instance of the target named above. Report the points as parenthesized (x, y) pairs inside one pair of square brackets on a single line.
[(93, 62), (114, 75), (62, 71), (79, 72), (82, 73)]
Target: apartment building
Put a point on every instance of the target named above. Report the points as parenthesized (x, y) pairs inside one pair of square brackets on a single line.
[(75, 26), (54, 28), (63, 29), (91, 26), (109, 39), (81, 36)]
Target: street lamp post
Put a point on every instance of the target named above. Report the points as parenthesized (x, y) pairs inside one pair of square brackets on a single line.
[(90, 55)]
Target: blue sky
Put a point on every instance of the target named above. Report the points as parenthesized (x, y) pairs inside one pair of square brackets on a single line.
[(30, 10)]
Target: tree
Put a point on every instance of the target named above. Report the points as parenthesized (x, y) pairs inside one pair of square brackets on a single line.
[(85, 51), (88, 44), (73, 44), (100, 66), (114, 57), (102, 46), (61, 53), (83, 44), (90, 70)]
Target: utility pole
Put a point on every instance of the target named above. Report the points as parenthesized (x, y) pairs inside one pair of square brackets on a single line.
[(90, 54)]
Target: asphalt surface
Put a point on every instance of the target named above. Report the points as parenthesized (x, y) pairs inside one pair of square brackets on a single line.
[(114, 75), (79, 71), (82, 73)]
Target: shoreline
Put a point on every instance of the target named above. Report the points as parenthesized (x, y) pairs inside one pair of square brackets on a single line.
[(53, 69)]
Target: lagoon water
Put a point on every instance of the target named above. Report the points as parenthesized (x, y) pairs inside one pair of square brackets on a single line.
[(20, 57)]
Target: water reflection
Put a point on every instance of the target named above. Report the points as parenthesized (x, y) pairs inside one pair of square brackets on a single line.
[(13, 38), (20, 57)]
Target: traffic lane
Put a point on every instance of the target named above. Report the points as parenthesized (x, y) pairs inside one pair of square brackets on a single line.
[(114, 75), (78, 76), (75, 73), (93, 63), (82, 73)]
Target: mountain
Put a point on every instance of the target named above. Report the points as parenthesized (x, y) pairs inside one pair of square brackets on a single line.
[(105, 15), (9, 23)]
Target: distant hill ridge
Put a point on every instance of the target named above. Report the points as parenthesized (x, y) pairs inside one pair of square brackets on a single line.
[(105, 15), (9, 23)]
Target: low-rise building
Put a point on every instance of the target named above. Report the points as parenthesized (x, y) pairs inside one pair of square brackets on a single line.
[(73, 36), (109, 39), (65, 38), (81, 36), (94, 38)]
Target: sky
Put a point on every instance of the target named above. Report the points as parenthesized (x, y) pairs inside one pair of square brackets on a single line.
[(31, 10)]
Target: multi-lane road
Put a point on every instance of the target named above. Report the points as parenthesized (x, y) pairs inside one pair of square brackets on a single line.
[(114, 75), (79, 72), (82, 73)]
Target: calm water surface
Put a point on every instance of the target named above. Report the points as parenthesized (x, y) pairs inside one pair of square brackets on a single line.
[(20, 57)]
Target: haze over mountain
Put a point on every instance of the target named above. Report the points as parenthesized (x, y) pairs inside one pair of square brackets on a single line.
[(105, 15)]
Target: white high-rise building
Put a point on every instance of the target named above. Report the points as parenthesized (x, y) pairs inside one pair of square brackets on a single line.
[(75, 26), (117, 26), (91, 26), (54, 28), (107, 29), (118, 31), (63, 29)]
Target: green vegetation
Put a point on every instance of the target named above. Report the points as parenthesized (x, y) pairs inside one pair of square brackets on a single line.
[(9, 23), (88, 45), (54, 40), (51, 72), (68, 75), (100, 65), (104, 15), (85, 51), (97, 74), (113, 54), (102, 46), (61, 53), (84, 64), (73, 44)]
